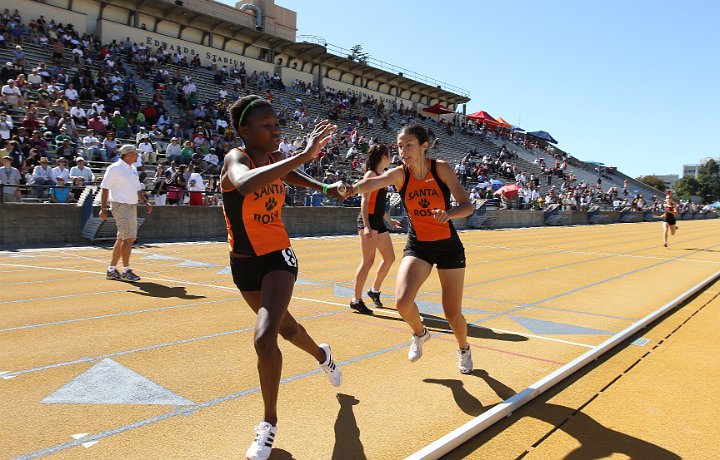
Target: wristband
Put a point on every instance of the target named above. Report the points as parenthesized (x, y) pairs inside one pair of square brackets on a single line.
[(325, 189)]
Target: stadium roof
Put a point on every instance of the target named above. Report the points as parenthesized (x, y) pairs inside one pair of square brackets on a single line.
[(218, 18)]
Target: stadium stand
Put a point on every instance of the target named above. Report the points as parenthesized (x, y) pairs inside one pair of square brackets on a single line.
[(160, 94)]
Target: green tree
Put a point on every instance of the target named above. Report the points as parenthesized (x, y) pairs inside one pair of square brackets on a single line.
[(653, 181), (358, 54), (709, 179), (687, 187)]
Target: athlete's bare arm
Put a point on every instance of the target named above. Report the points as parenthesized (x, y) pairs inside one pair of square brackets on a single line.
[(394, 176), (464, 207), (237, 173)]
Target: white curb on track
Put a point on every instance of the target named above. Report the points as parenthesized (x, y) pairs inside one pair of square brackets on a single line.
[(472, 428)]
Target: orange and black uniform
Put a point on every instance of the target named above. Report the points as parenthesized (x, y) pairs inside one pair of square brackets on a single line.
[(376, 212), (429, 240), (257, 237), (669, 215)]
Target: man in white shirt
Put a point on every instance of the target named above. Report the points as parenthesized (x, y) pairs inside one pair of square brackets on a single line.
[(212, 162), (71, 93), (172, 152), (10, 179), (221, 125), (42, 175), (61, 170), (35, 79), (80, 170), (92, 146), (142, 133), (77, 55), (284, 146), (147, 151), (121, 187), (196, 186), (11, 94), (351, 153), (189, 88)]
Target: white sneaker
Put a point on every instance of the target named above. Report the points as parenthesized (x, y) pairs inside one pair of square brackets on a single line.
[(331, 370), (465, 363), (262, 445), (416, 345)]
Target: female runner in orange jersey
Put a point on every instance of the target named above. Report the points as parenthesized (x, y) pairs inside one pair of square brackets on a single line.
[(373, 233), (425, 187), (264, 266), (669, 221)]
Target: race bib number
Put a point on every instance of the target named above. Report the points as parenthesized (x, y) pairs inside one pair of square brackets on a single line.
[(290, 258)]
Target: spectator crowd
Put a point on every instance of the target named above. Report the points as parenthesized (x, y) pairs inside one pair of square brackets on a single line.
[(63, 120)]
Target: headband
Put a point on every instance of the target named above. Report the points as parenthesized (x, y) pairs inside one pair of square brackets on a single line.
[(242, 115)]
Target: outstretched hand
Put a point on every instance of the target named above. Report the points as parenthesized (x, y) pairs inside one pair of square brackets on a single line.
[(338, 190), (319, 137)]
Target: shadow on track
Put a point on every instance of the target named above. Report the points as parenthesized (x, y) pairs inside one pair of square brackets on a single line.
[(438, 324), (163, 292), (596, 440), (347, 434)]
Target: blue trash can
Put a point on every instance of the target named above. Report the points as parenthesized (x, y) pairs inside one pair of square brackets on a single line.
[(317, 198)]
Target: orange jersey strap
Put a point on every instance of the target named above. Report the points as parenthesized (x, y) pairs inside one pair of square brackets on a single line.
[(421, 197)]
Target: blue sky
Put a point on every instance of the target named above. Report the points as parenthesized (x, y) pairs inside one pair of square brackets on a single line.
[(628, 83)]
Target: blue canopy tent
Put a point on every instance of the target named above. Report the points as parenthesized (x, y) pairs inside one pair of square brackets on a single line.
[(496, 184), (715, 205), (517, 128), (544, 135)]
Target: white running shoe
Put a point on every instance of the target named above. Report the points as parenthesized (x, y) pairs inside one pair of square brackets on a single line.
[(331, 370), (465, 363), (262, 445), (416, 345)]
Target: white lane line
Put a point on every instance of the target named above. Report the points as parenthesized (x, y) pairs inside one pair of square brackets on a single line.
[(169, 279), (567, 342), (68, 296), (589, 253), (122, 313), (16, 283)]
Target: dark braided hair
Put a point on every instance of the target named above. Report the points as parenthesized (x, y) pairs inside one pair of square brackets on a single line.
[(374, 155), (243, 107)]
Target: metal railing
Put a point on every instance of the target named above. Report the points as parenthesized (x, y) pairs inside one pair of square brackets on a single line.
[(382, 65)]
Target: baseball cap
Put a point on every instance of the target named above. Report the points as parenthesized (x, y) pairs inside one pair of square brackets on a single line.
[(79, 159), (127, 148)]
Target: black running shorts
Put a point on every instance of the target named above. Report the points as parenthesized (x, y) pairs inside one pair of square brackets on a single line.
[(446, 254), (377, 222), (249, 272)]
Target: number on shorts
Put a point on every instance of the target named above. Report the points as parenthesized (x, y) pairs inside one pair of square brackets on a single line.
[(289, 256)]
